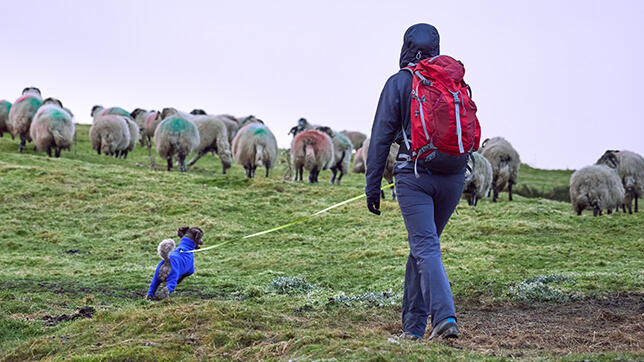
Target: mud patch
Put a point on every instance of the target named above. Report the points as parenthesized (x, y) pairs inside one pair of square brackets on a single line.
[(613, 324), (85, 312)]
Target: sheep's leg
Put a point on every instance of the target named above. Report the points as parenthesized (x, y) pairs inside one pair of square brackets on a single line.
[(496, 195), (339, 178), (510, 190), (22, 144), (268, 165), (472, 199), (333, 171), (609, 211), (182, 163), (197, 157), (48, 150), (636, 197), (393, 192), (124, 154), (58, 151), (169, 162)]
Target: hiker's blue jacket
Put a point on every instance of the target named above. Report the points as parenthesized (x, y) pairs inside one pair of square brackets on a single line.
[(420, 41), (183, 265)]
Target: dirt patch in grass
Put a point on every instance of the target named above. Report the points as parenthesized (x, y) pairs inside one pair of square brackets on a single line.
[(85, 312), (614, 324)]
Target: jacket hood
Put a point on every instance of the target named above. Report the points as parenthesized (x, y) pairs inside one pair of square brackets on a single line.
[(420, 41)]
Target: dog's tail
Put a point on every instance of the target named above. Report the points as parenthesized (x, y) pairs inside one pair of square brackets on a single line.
[(165, 248)]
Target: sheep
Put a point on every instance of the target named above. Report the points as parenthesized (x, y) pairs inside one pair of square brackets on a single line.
[(150, 124), (505, 163), (598, 187), (134, 136), (213, 137), (232, 126), (630, 168), (22, 113), (478, 185), (311, 150), (140, 116), (388, 174), (357, 138), (255, 145), (358, 161), (5, 107), (175, 136), (110, 134), (115, 111), (342, 148), (52, 127)]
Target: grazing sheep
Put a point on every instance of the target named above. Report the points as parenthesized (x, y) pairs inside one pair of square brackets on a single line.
[(175, 136), (505, 163), (253, 146), (22, 113), (110, 134), (388, 174), (52, 127), (597, 187), (479, 184), (630, 168), (213, 137), (5, 107), (311, 150), (357, 138), (342, 148), (358, 162)]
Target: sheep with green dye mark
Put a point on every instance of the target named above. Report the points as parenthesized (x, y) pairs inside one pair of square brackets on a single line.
[(110, 134), (342, 148), (52, 127), (176, 136), (5, 107), (99, 110), (388, 174), (505, 163), (213, 137), (630, 168), (479, 184), (22, 113), (597, 187), (311, 150), (255, 146)]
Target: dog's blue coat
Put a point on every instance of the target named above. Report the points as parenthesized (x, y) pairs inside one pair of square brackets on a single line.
[(183, 265)]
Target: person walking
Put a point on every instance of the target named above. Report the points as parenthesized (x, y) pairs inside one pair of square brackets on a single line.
[(427, 199)]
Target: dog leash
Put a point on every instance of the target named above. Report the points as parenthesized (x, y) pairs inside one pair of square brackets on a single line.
[(289, 224)]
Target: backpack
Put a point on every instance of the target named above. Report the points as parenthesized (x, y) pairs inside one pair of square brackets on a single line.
[(444, 127)]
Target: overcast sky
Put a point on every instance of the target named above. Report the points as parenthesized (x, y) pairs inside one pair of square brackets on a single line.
[(561, 80)]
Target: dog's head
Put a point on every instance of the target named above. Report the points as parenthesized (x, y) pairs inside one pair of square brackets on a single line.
[(194, 233)]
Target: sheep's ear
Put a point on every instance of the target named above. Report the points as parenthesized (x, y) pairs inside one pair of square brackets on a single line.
[(94, 109), (182, 231), (484, 142)]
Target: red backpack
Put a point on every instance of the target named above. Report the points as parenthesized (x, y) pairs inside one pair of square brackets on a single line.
[(444, 127)]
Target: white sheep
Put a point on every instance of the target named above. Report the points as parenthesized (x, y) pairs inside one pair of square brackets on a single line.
[(388, 173), (478, 185), (110, 134), (5, 107), (140, 116), (133, 128), (253, 146), (52, 127), (630, 168), (231, 123), (312, 151), (505, 163), (342, 148), (22, 113), (175, 136), (597, 187), (357, 138), (213, 137)]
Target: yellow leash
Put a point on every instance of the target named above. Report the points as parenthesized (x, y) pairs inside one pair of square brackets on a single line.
[(290, 224)]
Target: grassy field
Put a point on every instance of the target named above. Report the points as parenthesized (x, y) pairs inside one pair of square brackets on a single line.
[(79, 234)]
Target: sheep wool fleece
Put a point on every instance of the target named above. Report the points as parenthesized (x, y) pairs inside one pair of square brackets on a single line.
[(426, 202), (183, 265)]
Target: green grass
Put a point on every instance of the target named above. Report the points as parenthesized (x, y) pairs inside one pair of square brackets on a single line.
[(82, 230)]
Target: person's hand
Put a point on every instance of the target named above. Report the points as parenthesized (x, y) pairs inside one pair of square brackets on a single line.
[(373, 204)]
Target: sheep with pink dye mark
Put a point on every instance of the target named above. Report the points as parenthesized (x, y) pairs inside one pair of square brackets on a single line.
[(311, 150), (52, 127), (140, 117), (342, 148), (358, 161), (5, 107), (22, 113), (253, 146)]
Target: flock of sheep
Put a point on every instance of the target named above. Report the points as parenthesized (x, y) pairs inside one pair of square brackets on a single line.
[(615, 180)]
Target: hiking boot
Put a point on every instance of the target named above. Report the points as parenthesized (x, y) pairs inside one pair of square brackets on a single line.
[(410, 336), (446, 329)]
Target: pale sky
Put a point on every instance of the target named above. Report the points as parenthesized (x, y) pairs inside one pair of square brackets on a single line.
[(562, 80)]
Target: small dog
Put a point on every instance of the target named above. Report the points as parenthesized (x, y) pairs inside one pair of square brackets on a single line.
[(176, 263)]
